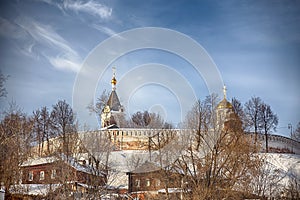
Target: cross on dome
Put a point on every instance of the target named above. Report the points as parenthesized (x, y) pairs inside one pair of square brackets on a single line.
[(224, 91)]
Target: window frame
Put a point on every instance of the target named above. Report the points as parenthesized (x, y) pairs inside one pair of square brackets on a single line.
[(148, 183), (157, 182), (53, 173), (42, 175), (30, 176), (137, 183)]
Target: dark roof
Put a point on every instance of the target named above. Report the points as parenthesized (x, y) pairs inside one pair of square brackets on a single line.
[(113, 101), (113, 126), (146, 167)]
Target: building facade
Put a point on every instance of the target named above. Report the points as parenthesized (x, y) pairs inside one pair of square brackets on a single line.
[(149, 179)]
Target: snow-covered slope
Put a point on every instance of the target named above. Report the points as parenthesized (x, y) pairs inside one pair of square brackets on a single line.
[(288, 163), (278, 173)]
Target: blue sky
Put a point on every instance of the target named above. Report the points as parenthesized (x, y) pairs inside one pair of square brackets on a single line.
[(254, 44)]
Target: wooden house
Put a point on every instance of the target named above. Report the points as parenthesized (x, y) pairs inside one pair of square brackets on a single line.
[(148, 179)]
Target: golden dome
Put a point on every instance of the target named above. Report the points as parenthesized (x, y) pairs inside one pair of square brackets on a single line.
[(114, 81), (224, 104)]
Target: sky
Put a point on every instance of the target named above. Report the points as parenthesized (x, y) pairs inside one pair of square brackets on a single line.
[(48, 46)]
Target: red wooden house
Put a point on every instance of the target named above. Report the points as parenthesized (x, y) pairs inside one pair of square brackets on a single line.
[(41, 176), (149, 179)]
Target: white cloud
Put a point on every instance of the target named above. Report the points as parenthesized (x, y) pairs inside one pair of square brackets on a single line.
[(34, 39), (90, 7), (65, 63), (45, 35)]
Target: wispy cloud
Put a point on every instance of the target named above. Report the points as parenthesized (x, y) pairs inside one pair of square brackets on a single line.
[(66, 59), (10, 29), (45, 35), (105, 30), (34, 39), (65, 63), (89, 7)]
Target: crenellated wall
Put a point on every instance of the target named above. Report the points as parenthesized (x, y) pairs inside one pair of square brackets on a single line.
[(278, 143), (140, 139)]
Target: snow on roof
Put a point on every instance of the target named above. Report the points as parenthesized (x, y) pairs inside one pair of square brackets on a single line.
[(146, 167), (171, 190), (119, 163), (73, 163), (68, 160), (39, 161), (122, 162)]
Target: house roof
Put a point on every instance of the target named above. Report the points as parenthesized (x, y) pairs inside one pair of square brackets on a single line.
[(39, 161), (146, 167), (113, 101), (51, 159)]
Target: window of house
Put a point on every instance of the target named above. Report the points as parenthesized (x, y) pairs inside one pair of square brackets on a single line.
[(148, 183), (157, 183), (42, 175), (53, 173), (137, 183), (30, 176)]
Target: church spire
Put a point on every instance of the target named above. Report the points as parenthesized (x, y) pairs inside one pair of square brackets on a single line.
[(114, 80)]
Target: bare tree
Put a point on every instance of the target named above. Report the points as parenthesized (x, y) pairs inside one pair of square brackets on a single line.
[(99, 147), (237, 107), (141, 119), (156, 121), (267, 180), (3, 91), (15, 140), (198, 118), (43, 129), (252, 114), (64, 122), (99, 105), (224, 161), (292, 190), (239, 110), (296, 133), (146, 120), (267, 121)]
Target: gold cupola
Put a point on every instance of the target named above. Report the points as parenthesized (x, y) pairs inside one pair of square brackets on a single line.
[(224, 104), (114, 80)]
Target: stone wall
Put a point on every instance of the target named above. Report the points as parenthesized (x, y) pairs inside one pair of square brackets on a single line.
[(278, 143), (140, 139)]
